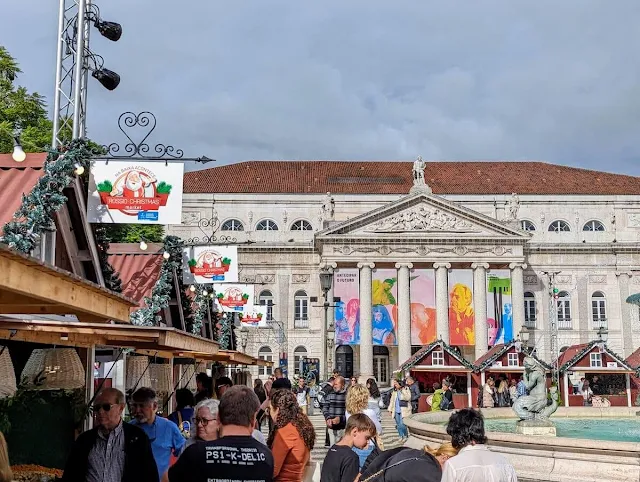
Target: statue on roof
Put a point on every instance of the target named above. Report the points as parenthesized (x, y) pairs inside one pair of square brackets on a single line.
[(419, 183), (328, 207), (514, 207)]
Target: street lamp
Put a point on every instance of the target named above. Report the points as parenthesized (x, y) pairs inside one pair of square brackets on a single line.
[(524, 336), (326, 278), (603, 334)]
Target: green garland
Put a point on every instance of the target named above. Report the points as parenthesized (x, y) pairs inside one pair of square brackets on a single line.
[(111, 278), (224, 339), (35, 215), (161, 293), (420, 354), (200, 302), (587, 348)]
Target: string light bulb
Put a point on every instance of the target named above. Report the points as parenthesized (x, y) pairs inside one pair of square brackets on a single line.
[(18, 154), (204, 293), (143, 245), (79, 169), (166, 255), (192, 288)]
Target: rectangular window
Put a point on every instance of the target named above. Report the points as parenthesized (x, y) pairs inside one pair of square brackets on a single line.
[(595, 360), (564, 314), (301, 309), (598, 311), (513, 360), (266, 370), (437, 358), (530, 312)]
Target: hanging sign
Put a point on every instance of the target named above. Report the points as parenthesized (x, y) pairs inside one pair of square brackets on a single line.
[(135, 192), (254, 316), (205, 264), (234, 297)]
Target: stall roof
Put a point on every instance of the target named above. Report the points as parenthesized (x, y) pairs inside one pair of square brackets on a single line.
[(160, 341), (29, 286), (416, 358), (574, 353), (487, 360), (633, 361), (243, 359), (16, 180), (138, 270)]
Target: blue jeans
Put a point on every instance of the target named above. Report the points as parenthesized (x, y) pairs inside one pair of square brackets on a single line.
[(403, 432)]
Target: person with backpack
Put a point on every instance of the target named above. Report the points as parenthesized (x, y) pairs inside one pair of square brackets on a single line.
[(184, 414), (442, 398)]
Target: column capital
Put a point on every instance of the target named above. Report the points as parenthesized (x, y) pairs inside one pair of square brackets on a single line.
[(624, 273), (518, 265), (404, 265), (366, 265), (480, 265), (442, 265), (329, 266)]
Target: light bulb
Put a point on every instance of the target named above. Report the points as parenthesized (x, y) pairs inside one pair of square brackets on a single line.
[(204, 293), (212, 295), (79, 169), (18, 154), (192, 288), (143, 246), (166, 255)]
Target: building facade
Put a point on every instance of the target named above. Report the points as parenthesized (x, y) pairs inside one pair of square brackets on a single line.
[(541, 226)]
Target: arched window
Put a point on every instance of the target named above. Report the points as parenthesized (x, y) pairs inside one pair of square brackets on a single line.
[(267, 225), (529, 310), (301, 310), (265, 298), (593, 225), (564, 310), (265, 353), (299, 354), (527, 225), (559, 226), (599, 310), (301, 225), (232, 225)]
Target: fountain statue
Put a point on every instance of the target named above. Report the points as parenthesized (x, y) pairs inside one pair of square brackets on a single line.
[(535, 409)]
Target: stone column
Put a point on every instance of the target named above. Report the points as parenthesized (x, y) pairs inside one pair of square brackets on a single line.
[(480, 307), (517, 297), (624, 278), (404, 312), (366, 327), (442, 300)]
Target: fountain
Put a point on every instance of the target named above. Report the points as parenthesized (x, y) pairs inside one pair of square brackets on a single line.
[(534, 409)]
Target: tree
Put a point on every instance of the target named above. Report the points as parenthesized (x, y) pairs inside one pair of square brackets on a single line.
[(133, 233), (22, 111)]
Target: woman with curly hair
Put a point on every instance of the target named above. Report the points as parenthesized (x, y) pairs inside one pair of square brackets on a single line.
[(358, 402), (292, 438)]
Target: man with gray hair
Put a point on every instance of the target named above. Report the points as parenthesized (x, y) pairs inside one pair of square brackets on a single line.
[(112, 451), (164, 435)]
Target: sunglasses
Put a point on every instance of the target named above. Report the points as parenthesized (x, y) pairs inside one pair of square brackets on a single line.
[(203, 421), (102, 406)]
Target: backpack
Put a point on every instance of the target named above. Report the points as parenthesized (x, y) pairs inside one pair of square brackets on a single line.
[(184, 426), (445, 403), (436, 400)]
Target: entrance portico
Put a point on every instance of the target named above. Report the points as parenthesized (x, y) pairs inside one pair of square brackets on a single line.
[(423, 231)]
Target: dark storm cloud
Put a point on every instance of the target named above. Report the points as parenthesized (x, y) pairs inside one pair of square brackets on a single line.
[(556, 81)]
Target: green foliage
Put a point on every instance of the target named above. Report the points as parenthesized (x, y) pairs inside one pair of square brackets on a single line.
[(133, 233), (192, 262), (22, 110), (220, 296), (245, 296), (163, 188), (111, 277), (105, 186), (226, 261), (35, 215)]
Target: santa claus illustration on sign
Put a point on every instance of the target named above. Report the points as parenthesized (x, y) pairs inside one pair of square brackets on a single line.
[(211, 259), (134, 184)]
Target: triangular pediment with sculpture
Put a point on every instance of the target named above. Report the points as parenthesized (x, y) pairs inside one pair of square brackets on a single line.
[(425, 215)]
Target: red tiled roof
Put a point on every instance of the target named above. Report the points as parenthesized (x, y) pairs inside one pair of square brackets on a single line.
[(394, 177), (570, 352), (633, 360), (138, 270), (16, 179), (494, 349)]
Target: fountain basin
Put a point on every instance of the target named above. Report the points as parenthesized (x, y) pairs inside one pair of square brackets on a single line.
[(560, 458)]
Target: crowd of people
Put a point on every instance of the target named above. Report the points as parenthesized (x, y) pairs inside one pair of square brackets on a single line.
[(500, 392), (214, 436)]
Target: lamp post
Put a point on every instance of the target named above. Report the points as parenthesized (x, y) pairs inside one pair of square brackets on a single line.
[(326, 278), (524, 336), (603, 334), (553, 323)]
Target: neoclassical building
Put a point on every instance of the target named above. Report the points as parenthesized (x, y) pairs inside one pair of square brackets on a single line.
[(541, 226)]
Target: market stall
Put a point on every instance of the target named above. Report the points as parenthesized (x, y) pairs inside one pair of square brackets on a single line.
[(432, 364)]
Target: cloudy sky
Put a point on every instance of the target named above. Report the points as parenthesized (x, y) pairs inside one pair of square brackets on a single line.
[(363, 79)]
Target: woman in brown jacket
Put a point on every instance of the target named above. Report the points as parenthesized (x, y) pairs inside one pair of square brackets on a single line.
[(292, 439)]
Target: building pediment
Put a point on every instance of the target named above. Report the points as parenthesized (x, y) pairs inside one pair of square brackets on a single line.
[(424, 216)]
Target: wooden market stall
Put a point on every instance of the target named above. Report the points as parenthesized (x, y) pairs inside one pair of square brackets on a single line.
[(633, 361), (608, 374), (435, 362), (504, 360)]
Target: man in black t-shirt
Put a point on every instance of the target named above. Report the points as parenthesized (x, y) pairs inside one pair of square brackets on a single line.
[(236, 455)]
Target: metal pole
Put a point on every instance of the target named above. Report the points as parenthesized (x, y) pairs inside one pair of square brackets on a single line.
[(323, 337), (82, 120), (78, 69), (553, 325), (56, 95)]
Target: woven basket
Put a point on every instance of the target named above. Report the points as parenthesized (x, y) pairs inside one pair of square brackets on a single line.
[(161, 376), (190, 372), (136, 366), (54, 369), (7, 375)]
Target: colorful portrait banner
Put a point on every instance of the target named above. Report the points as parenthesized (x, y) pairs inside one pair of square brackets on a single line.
[(346, 286), (461, 312), (499, 307), (207, 264), (235, 298), (253, 316), (423, 307), (384, 291), (134, 192)]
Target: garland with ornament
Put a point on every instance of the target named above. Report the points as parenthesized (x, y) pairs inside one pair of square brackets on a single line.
[(149, 315), (200, 302), (35, 216), (111, 278)]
